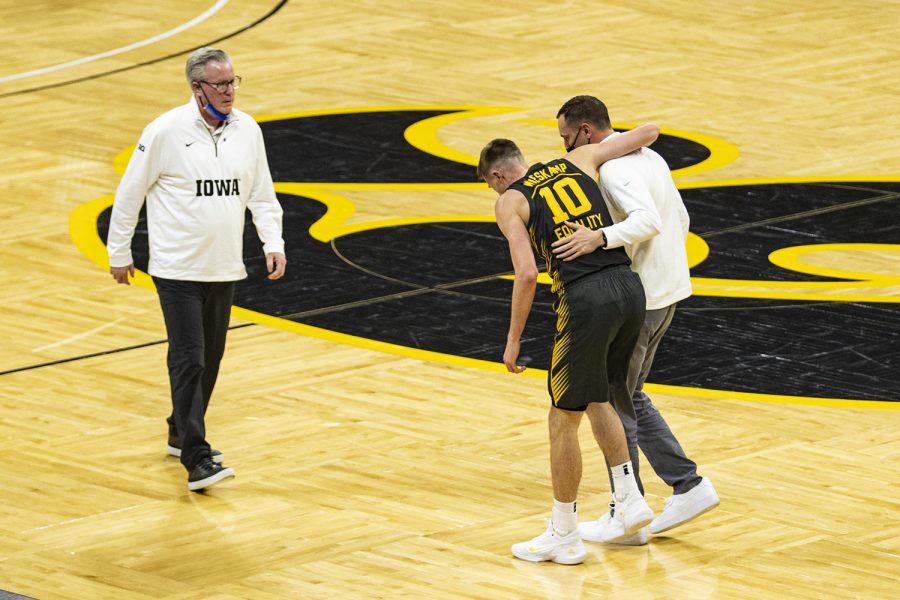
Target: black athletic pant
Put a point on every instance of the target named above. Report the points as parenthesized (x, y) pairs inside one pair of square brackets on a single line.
[(197, 315)]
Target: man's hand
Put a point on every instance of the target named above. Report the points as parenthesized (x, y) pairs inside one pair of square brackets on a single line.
[(120, 274), (276, 263), (582, 240), (511, 356)]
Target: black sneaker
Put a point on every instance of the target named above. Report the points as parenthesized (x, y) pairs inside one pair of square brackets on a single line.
[(173, 449), (206, 474)]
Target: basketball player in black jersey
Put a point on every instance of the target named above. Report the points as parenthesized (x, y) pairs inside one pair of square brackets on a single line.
[(600, 309)]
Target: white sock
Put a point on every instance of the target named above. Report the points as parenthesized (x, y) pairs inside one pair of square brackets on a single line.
[(624, 482), (565, 519)]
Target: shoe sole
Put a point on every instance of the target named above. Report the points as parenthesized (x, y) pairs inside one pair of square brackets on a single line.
[(687, 520), (633, 540), (571, 560), (629, 540), (176, 452), (632, 529), (210, 481), (639, 524), (575, 559), (622, 539)]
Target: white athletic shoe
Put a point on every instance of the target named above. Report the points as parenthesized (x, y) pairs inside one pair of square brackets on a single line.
[(629, 516), (565, 550), (682, 508), (597, 531)]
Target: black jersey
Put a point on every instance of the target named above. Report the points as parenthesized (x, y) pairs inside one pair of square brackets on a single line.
[(557, 192)]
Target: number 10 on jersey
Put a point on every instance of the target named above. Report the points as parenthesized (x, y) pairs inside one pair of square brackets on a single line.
[(565, 193)]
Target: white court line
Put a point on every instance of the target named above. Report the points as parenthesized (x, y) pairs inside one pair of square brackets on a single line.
[(79, 336), (198, 19), (77, 519)]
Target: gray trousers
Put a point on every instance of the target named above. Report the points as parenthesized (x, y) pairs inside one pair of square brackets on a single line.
[(644, 426)]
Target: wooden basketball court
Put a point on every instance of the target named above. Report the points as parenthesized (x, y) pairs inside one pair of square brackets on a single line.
[(370, 468)]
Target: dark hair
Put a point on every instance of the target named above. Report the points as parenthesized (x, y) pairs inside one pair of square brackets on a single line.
[(497, 150), (585, 109)]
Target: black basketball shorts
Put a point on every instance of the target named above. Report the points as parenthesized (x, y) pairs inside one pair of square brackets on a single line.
[(598, 320)]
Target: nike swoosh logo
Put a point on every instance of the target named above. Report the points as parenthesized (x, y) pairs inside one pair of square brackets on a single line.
[(533, 549), (186, 145)]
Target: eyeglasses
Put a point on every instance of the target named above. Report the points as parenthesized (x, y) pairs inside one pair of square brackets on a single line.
[(222, 86)]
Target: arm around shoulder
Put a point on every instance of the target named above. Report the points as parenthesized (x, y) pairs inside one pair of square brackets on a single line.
[(645, 134), (620, 145)]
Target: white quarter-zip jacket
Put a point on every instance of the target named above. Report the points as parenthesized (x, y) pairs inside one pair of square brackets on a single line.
[(650, 221), (197, 190)]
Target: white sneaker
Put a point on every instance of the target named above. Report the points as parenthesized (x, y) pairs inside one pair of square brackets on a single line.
[(565, 550), (682, 508), (596, 531), (629, 516), (602, 528)]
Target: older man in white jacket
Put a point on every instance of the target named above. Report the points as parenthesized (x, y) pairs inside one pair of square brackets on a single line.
[(651, 222), (200, 167)]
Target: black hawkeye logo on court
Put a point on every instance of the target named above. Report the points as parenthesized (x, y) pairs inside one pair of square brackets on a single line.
[(368, 270), (217, 187)]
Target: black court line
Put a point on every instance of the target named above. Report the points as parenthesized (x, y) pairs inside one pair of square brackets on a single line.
[(417, 290), (262, 19), (444, 287), (51, 86), (96, 354)]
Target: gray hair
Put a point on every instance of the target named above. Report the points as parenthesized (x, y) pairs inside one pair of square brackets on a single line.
[(198, 59)]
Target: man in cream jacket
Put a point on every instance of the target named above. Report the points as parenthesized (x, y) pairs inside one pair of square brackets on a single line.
[(199, 167)]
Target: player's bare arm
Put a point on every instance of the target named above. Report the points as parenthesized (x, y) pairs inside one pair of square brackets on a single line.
[(512, 213)]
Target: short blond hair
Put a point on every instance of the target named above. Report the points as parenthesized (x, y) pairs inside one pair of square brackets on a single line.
[(498, 150)]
